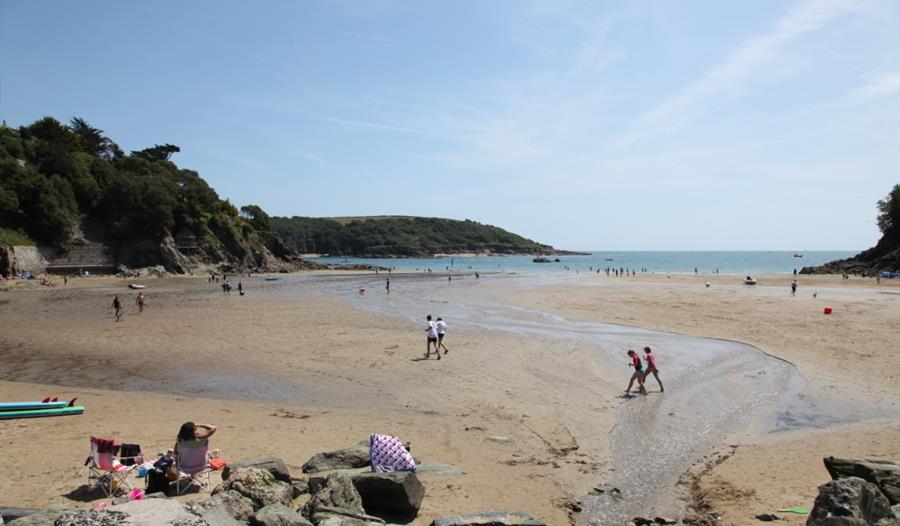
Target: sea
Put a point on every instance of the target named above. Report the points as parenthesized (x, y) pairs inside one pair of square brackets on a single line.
[(675, 262)]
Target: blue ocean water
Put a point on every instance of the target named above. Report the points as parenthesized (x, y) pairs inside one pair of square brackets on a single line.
[(706, 262)]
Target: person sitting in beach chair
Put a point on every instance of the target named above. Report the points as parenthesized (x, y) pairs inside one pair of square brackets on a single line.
[(192, 456), (105, 469)]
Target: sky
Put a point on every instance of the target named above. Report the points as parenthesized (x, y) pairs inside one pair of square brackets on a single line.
[(638, 125)]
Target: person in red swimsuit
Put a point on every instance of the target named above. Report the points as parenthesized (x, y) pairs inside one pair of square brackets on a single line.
[(651, 367), (638, 372)]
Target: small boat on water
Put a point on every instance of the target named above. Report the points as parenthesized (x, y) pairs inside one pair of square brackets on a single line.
[(749, 280), (272, 279), (798, 255), (540, 260), (136, 286), (608, 259)]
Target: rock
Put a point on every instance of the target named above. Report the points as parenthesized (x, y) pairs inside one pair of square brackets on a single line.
[(258, 485), (489, 518), (337, 492), (768, 517), (641, 521), (46, 517), (397, 492), (219, 515), (237, 505), (849, 502), (153, 512), (326, 515), (103, 517), (438, 469), (172, 259), (274, 465), (883, 473), (664, 520), (348, 458), (499, 440), (278, 515), (300, 486)]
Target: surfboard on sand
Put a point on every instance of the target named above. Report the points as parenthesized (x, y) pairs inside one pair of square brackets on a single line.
[(34, 413)]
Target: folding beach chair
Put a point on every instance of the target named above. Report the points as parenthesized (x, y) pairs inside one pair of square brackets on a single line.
[(193, 465), (104, 469)]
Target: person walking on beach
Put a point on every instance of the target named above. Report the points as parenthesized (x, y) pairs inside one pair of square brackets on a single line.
[(638, 373), (794, 287), (387, 285), (431, 333), (441, 326), (140, 302), (651, 367), (117, 306)]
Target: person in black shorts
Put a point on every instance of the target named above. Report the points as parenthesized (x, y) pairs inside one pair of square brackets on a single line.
[(431, 332)]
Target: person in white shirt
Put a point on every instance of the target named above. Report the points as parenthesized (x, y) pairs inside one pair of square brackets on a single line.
[(432, 334), (441, 331)]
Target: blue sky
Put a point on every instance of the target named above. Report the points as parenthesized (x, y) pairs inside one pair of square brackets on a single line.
[(588, 125)]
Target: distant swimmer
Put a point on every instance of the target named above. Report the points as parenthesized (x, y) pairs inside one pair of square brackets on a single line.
[(638, 373), (651, 367)]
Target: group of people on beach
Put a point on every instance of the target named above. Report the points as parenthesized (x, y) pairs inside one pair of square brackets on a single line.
[(640, 372), (119, 311)]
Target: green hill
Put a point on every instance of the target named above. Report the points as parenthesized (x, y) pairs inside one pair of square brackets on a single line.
[(401, 236)]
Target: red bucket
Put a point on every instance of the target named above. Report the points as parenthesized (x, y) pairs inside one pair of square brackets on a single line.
[(827, 310)]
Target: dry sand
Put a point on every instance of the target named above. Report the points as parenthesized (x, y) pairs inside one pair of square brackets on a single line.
[(292, 376)]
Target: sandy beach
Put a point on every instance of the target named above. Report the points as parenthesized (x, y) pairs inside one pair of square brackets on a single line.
[(294, 370)]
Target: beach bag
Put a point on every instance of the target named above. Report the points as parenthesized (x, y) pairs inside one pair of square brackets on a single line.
[(387, 453), (130, 454), (157, 481)]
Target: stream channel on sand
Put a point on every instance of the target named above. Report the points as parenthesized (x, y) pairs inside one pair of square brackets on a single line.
[(713, 388)]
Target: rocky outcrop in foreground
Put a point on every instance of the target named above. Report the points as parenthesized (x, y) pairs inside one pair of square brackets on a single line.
[(861, 493), (262, 492)]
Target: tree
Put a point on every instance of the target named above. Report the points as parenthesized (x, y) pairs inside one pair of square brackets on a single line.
[(90, 139), (259, 219), (159, 152), (889, 213)]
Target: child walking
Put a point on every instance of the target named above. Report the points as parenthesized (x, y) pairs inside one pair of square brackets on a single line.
[(651, 367), (638, 372)]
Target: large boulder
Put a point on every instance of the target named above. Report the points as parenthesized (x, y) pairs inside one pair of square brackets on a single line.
[(348, 458), (489, 518), (337, 492), (236, 504), (850, 502), (883, 473), (258, 485), (278, 515), (46, 517), (397, 492), (218, 516), (326, 516), (274, 465)]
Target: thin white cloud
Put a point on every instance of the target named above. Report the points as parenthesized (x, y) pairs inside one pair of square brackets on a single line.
[(880, 85), (734, 71)]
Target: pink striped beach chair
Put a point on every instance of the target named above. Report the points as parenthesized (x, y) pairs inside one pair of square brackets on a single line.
[(105, 470)]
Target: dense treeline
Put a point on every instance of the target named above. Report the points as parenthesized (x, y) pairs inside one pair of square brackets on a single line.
[(55, 176), (398, 236)]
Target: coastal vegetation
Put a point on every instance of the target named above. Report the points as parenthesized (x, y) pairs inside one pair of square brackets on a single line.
[(884, 256), (57, 181), (399, 236), (65, 185)]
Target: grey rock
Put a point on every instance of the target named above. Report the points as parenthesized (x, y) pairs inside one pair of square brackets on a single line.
[(849, 502), (300, 486), (348, 458), (489, 518), (397, 492), (499, 440), (278, 515), (10, 514), (337, 492), (103, 517), (258, 485), (445, 470), (46, 517), (326, 515), (236, 504), (153, 512), (664, 520), (219, 515), (172, 259), (883, 473), (896, 509), (274, 465), (768, 517)]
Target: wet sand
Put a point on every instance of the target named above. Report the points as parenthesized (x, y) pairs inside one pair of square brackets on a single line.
[(307, 367)]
